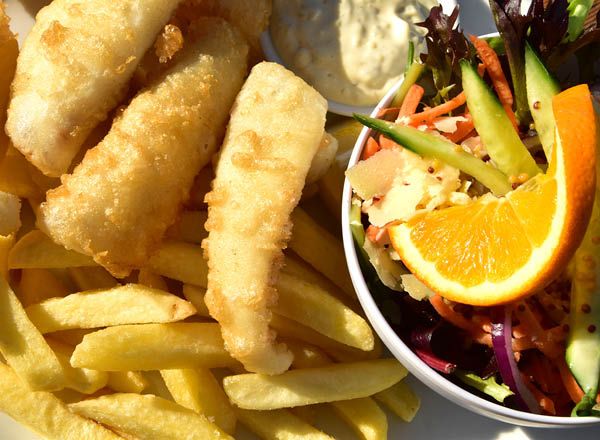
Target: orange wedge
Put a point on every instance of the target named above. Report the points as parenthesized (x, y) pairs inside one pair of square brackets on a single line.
[(497, 250)]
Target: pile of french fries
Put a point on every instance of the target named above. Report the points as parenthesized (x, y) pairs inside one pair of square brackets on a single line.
[(142, 356), (87, 356)]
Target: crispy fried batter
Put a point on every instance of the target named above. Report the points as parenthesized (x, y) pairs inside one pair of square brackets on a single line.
[(275, 130), (251, 17), (128, 189), (73, 69), (9, 50)]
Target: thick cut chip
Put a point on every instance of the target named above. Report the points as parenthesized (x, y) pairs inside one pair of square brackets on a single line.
[(313, 385), (73, 69), (9, 49), (10, 209), (38, 285), (259, 181), (364, 416), (153, 347), (129, 304), (181, 261), (127, 381), (79, 379), (316, 308), (45, 414), (128, 189), (91, 278), (315, 245), (36, 251), (148, 417), (280, 424), (199, 391), (23, 346), (401, 399)]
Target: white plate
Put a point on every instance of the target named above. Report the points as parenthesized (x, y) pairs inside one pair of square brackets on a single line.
[(438, 418)]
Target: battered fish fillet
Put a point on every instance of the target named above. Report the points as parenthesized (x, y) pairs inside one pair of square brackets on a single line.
[(251, 17), (275, 129), (119, 201), (9, 49), (73, 69)]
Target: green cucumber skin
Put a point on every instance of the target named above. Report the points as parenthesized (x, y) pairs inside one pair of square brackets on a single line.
[(541, 87), (497, 133), (583, 345), (428, 145)]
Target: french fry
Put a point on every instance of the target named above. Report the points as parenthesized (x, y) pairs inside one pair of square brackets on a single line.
[(322, 160), (10, 209), (288, 328), (401, 399), (127, 381), (91, 278), (313, 385), (153, 347), (148, 417), (280, 424), (67, 395), (364, 416), (151, 279), (128, 304), (308, 413), (6, 243), (156, 385), (195, 295), (320, 249), (37, 285), (180, 261), (16, 176), (306, 355), (43, 413), (199, 391), (79, 379), (23, 346), (312, 306), (200, 188), (189, 227), (9, 49), (36, 250), (71, 337)]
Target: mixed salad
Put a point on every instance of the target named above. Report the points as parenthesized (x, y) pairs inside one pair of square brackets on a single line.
[(473, 119)]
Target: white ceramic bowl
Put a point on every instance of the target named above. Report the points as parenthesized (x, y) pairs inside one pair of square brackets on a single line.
[(404, 354), (271, 54)]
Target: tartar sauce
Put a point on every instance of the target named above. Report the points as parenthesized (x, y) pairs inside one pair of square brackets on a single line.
[(351, 51)]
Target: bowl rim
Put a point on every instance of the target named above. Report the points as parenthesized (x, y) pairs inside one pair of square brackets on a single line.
[(271, 54), (401, 351)]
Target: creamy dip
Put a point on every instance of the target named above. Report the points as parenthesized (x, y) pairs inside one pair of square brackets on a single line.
[(351, 51)]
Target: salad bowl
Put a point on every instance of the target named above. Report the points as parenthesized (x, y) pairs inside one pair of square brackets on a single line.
[(373, 306)]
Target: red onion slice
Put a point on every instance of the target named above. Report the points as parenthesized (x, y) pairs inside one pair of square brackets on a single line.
[(505, 358)]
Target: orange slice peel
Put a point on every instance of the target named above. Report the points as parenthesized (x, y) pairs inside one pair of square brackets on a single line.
[(498, 250)]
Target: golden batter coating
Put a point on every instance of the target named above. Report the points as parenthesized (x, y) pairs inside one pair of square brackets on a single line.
[(118, 203), (275, 130)]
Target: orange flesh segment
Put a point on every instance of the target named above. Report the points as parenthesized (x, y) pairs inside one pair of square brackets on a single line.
[(497, 250)]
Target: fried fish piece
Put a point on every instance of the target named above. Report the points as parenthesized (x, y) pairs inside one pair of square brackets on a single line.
[(9, 49), (250, 17), (73, 69), (118, 203), (275, 130)]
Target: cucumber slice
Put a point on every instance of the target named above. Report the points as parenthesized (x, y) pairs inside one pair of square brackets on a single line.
[(541, 87), (497, 133), (583, 343)]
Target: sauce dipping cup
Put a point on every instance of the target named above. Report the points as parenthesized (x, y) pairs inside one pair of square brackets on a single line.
[(271, 54), (403, 353)]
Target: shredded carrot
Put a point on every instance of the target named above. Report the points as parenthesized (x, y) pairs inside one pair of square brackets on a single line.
[(433, 112), (571, 385), (389, 111), (371, 148), (446, 312), (545, 402), (481, 69), (386, 143), (411, 101), (377, 235), (494, 69)]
